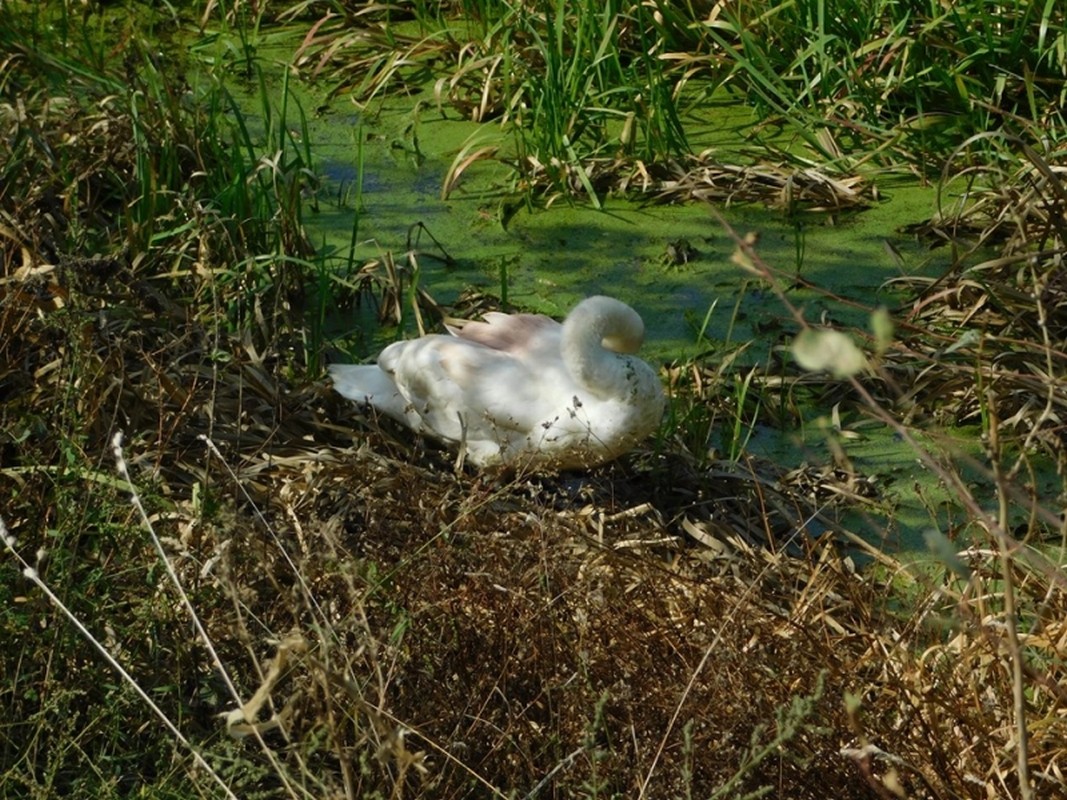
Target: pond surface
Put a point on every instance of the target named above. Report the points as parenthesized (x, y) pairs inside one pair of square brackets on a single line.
[(552, 257), (382, 177)]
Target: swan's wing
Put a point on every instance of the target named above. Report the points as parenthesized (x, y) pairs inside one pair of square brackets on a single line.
[(463, 389), (525, 336)]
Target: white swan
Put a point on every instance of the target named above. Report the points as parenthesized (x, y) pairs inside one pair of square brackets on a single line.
[(521, 389)]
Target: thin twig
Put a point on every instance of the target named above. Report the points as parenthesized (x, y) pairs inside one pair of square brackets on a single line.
[(1006, 545)]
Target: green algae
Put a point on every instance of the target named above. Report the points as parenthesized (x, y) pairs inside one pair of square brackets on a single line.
[(383, 168), (397, 161)]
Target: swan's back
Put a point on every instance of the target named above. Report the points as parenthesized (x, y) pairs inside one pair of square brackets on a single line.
[(530, 337)]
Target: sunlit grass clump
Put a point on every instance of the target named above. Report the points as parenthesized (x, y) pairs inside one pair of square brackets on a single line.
[(581, 90)]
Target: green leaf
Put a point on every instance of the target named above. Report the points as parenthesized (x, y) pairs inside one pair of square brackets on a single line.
[(829, 351)]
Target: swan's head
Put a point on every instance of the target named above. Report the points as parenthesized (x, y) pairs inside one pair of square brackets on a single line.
[(598, 337), (619, 328)]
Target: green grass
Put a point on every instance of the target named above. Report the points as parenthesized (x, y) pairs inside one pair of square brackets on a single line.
[(906, 80), (583, 97), (873, 83), (568, 83)]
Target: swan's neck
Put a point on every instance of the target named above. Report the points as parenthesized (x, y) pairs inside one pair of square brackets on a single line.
[(595, 333)]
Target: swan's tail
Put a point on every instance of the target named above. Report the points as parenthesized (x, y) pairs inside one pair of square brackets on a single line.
[(368, 384)]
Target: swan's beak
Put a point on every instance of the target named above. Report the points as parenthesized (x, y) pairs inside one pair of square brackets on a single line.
[(623, 344)]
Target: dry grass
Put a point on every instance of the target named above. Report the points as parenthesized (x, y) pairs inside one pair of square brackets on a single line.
[(702, 177), (446, 634)]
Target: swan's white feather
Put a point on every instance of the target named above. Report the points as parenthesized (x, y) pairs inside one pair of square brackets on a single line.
[(522, 388)]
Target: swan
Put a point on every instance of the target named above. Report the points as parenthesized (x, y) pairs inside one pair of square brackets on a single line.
[(521, 389)]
